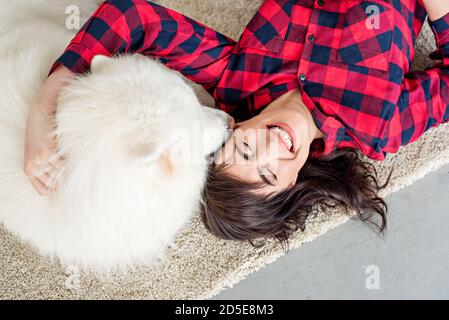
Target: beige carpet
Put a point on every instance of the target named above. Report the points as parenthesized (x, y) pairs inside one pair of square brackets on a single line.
[(198, 265)]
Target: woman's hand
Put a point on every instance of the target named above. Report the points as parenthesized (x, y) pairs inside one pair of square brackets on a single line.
[(41, 159)]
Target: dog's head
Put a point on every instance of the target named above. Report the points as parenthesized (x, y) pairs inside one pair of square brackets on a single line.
[(140, 107)]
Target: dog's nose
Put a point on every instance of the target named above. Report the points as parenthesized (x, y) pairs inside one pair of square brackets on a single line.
[(231, 122)]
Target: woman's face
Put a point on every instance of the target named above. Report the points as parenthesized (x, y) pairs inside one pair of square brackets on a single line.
[(273, 146)]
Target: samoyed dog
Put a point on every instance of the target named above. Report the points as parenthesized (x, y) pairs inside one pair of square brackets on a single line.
[(135, 139)]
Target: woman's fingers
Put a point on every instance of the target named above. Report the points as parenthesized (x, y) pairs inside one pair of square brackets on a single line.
[(47, 178), (41, 168), (56, 161), (44, 176), (39, 186)]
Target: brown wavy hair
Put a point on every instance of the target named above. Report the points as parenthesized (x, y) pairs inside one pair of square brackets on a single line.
[(232, 210)]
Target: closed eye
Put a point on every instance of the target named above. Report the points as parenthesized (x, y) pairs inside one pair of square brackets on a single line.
[(273, 174), (263, 176), (242, 153)]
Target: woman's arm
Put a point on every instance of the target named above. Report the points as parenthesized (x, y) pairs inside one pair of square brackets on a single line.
[(41, 160), (121, 26), (138, 26), (424, 100), (436, 8), (48, 93)]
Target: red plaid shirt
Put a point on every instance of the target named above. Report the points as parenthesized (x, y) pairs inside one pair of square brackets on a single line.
[(350, 59)]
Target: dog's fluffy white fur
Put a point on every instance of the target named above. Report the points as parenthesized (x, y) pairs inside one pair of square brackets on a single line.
[(123, 192)]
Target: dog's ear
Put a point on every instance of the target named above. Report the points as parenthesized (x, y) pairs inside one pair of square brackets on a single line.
[(98, 61), (147, 153)]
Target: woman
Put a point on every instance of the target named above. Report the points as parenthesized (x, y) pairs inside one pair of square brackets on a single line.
[(312, 84)]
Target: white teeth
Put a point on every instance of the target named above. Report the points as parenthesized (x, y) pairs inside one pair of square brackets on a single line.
[(284, 135)]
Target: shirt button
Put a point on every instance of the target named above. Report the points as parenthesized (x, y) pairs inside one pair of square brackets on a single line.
[(302, 76), (321, 2), (311, 38)]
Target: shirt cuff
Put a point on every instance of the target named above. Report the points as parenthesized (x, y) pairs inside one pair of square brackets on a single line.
[(76, 58), (440, 28)]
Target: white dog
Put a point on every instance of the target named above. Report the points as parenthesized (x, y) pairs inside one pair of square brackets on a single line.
[(134, 136)]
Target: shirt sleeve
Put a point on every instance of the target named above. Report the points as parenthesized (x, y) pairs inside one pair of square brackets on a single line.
[(138, 26), (424, 100)]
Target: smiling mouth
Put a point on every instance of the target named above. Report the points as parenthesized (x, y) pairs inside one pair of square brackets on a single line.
[(283, 133)]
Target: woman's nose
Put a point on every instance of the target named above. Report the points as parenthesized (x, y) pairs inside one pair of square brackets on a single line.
[(271, 150)]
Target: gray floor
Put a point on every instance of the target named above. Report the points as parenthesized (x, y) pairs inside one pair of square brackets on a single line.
[(351, 262)]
